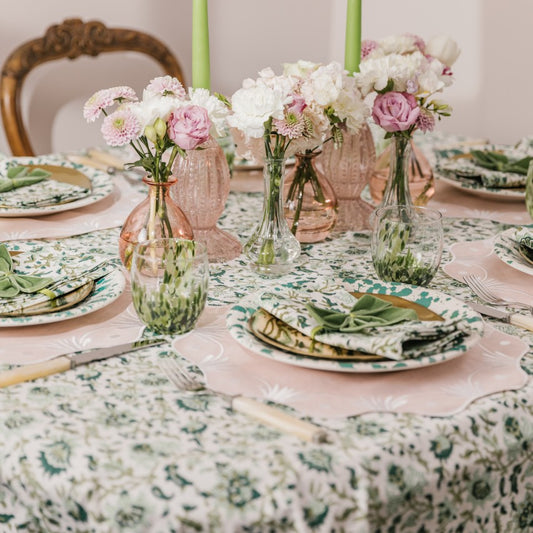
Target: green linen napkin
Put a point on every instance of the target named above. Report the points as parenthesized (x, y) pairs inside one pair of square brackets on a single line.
[(25, 188), (498, 161), (369, 311), (406, 339), (67, 273), (491, 166), (21, 176), (12, 283)]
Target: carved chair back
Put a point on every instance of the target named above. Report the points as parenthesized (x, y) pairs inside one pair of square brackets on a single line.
[(70, 39)]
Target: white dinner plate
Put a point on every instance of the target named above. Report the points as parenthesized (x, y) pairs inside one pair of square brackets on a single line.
[(101, 187), (106, 290), (506, 250), (475, 187), (442, 304)]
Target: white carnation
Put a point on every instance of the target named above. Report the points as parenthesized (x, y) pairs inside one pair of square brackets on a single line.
[(398, 44), (153, 107), (253, 106)]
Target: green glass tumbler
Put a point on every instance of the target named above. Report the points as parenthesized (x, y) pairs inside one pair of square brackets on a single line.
[(169, 280)]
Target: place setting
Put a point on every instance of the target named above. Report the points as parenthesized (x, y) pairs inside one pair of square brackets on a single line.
[(486, 170), (37, 186), (514, 247), (43, 283)]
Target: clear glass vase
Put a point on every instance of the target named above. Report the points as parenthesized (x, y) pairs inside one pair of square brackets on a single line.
[(421, 178), (156, 217), (201, 192), (397, 189), (310, 204), (349, 168), (272, 249)]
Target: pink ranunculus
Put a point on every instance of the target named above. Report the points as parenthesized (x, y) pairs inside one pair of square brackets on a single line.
[(189, 126), (395, 111)]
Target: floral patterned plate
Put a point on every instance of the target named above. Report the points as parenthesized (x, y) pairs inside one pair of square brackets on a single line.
[(506, 249), (106, 290), (475, 187), (101, 185), (440, 303)]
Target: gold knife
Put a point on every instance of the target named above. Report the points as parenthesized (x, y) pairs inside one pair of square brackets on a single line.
[(63, 363)]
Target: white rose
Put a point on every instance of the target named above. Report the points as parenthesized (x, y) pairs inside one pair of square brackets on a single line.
[(444, 49)]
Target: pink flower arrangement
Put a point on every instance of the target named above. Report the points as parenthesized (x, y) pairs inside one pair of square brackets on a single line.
[(403, 72), (167, 119)]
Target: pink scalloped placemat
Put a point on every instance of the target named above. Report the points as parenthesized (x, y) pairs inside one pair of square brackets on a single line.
[(491, 366), (109, 212), (478, 257), (115, 324)]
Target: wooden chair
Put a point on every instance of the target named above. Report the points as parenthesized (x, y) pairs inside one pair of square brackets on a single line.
[(71, 39)]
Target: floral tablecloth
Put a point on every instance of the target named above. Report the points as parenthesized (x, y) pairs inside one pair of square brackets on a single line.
[(114, 446)]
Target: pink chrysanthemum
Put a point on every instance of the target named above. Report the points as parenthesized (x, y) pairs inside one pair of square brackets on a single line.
[(123, 93), (120, 128), (291, 125), (367, 46), (165, 86), (96, 103), (425, 121)]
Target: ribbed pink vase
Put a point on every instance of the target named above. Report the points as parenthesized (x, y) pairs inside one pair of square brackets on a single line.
[(201, 192), (349, 169)]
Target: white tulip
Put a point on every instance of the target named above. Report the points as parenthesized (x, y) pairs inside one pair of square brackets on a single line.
[(444, 49)]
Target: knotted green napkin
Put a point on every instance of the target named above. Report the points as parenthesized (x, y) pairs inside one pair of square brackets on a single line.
[(22, 176), (368, 312), (12, 284), (498, 161)]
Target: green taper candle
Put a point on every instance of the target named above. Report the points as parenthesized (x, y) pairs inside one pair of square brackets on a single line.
[(352, 52), (200, 45)]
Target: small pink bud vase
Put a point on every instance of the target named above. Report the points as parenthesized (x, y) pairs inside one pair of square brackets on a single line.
[(156, 217), (420, 175), (201, 192), (349, 168)]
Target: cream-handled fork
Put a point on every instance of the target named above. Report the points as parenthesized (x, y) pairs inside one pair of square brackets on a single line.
[(483, 292), (266, 414)]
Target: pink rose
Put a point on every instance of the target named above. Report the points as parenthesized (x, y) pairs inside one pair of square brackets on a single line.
[(395, 111), (189, 126)]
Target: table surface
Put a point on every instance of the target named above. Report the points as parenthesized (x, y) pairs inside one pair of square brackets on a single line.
[(114, 446)]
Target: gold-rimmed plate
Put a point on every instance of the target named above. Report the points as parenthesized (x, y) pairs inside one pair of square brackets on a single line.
[(66, 301), (98, 183), (437, 303), (277, 333)]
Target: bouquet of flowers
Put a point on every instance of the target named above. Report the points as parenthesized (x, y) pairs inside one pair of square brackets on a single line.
[(404, 74), (167, 122), (295, 113)]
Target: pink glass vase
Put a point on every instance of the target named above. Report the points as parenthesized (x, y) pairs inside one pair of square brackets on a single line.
[(157, 216), (349, 168), (310, 204), (201, 192), (420, 175)]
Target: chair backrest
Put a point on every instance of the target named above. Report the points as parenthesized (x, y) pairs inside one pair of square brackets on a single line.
[(70, 39)]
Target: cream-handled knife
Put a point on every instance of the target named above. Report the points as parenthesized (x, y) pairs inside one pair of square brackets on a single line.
[(516, 319), (66, 362)]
